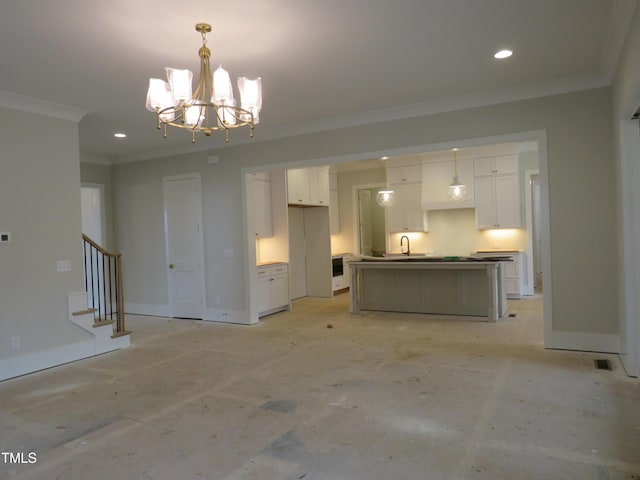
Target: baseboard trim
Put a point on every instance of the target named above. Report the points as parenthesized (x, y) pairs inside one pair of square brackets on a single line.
[(33, 362), (587, 342), (147, 309), (228, 316)]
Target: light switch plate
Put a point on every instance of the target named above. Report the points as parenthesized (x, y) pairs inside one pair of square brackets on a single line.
[(63, 266)]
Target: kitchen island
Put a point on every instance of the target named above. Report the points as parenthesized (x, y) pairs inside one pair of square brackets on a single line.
[(425, 285)]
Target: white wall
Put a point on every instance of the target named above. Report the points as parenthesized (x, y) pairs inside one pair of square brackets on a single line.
[(40, 207), (579, 134), (101, 174)]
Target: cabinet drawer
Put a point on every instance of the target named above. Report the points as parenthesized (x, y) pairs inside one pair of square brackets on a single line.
[(263, 272), (278, 269)]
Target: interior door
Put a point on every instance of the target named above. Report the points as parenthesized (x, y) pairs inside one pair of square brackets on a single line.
[(184, 244), (297, 254)]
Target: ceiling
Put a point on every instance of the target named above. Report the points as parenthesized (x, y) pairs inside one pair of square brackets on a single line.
[(323, 64)]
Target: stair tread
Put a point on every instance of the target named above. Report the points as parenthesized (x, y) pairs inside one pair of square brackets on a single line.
[(100, 323), (84, 312), (121, 334)]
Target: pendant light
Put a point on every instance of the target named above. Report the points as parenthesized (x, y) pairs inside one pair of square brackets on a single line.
[(386, 197), (456, 191)]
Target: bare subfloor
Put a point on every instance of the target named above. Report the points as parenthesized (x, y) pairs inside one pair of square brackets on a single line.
[(318, 393)]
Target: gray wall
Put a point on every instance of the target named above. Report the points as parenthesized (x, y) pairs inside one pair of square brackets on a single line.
[(40, 207), (581, 191)]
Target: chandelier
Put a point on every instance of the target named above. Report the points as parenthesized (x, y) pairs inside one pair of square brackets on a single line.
[(211, 107)]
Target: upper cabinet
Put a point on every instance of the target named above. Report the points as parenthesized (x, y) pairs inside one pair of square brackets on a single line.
[(497, 195), (308, 186), (403, 174), (437, 175), (406, 214)]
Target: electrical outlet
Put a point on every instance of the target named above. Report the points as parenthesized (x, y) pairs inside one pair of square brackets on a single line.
[(5, 237), (15, 343)]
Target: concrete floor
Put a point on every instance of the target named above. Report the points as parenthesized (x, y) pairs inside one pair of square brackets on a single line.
[(377, 396)]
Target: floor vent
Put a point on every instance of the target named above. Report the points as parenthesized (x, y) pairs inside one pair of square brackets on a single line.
[(513, 315), (602, 364)]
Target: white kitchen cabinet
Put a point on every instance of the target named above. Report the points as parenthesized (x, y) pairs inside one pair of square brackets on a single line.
[(436, 178), (272, 283), (260, 185), (404, 174), (515, 271), (406, 214), (340, 282), (497, 202), (308, 186), (495, 165), (496, 191)]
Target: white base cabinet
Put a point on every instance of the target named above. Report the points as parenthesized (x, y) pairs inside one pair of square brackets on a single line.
[(515, 272), (272, 289)]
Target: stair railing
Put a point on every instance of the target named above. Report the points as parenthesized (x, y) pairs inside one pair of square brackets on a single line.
[(103, 283)]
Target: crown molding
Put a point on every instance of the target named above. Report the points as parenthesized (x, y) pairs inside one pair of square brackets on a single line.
[(41, 107), (463, 102), (619, 23)]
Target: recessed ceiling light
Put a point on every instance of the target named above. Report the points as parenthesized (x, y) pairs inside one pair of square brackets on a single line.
[(383, 158), (120, 135), (502, 54)]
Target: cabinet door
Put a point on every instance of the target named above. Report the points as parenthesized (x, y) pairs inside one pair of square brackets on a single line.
[(505, 164), (298, 186), (416, 217), (263, 294), (279, 290), (406, 214), (483, 166), (507, 204), (262, 207), (395, 214), (404, 174), (322, 183), (485, 203)]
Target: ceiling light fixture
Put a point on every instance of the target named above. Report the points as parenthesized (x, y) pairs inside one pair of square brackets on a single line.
[(386, 198), (502, 54), (456, 191), (120, 135), (212, 106)]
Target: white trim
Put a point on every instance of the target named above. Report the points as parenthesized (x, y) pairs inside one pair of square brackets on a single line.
[(443, 105), (229, 316), (629, 256), (147, 309), (33, 362), (529, 226), (41, 107), (586, 342)]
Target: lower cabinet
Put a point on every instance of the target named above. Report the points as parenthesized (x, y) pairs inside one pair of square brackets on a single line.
[(514, 272), (272, 289)]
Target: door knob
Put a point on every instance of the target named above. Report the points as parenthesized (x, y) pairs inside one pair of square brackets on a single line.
[(171, 265)]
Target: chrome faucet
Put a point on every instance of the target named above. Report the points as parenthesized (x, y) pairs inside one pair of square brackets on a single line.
[(408, 252)]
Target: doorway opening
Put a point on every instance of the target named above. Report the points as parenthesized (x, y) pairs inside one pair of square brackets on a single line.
[(371, 223)]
